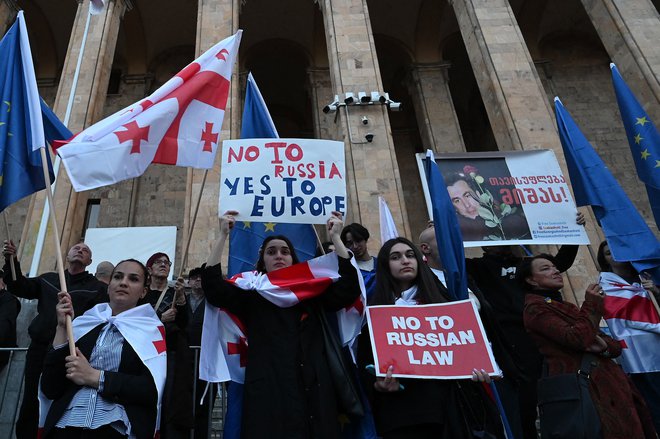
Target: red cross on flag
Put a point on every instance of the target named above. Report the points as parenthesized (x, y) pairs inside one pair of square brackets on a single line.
[(178, 124)]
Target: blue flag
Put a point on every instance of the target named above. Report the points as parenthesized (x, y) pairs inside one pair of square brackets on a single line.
[(643, 139), (246, 237), (627, 234), (447, 231), (21, 172)]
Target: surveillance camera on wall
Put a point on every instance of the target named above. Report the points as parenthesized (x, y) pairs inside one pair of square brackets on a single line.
[(349, 98), (394, 106), (364, 97), (369, 137), (330, 108), (364, 120)]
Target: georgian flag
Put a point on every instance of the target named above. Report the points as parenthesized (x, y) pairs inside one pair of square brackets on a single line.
[(285, 288), (179, 124), (142, 329), (634, 321)]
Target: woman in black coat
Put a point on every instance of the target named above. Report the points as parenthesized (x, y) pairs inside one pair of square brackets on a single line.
[(420, 408), (288, 387)]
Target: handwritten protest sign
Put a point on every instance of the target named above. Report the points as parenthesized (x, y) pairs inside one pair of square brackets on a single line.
[(430, 341), (283, 180), (504, 198)]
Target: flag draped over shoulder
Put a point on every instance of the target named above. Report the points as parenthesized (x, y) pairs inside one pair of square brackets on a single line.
[(627, 234), (246, 237), (284, 288), (643, 139), (447, 232), (142, 329), (179, 124), (634, 321), (22, 120)]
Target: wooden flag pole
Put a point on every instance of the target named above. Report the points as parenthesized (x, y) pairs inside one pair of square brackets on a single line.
[(11, 260), (186, 247), (58, 253)]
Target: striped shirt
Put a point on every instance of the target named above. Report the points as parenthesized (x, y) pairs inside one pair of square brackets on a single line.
[(88, 409)]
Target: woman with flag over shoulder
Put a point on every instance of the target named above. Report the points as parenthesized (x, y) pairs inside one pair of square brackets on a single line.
[(289, 390), (112, 387)]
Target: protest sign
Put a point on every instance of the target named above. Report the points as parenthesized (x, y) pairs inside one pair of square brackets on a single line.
[(504, 198), (283, 180), (444, 340)]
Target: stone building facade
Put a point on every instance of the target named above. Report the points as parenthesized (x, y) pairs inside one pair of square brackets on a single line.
[(472, 75)]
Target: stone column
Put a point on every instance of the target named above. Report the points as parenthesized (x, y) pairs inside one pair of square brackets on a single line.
[(320, 90), (216, 20), (89, 98), (436, 116), (518, 109), (630, 31), (372, 168), (8, 10)]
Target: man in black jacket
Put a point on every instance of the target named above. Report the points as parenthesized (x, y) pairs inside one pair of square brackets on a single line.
[(86, 291)]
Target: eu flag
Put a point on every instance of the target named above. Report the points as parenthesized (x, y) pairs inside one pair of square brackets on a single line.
[(447, 232), (21, 134), (627, 234), (643, 139), (246, 237)]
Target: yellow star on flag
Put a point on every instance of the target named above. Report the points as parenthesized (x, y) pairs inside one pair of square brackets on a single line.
[(638, 138), (1, 178), (247, 224), (641, 121), (270, 227), (645, 154), (8, 106), (657, 163)]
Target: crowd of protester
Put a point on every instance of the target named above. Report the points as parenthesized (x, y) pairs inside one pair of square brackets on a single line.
[(111, 390)]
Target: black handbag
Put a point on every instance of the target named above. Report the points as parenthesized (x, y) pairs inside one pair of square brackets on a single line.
[(566, 409), (341, 372)]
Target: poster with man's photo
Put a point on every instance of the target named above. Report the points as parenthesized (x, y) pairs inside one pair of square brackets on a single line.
[(504, 198)]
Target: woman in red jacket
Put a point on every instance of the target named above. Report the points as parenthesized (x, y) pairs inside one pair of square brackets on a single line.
[(564, 333)]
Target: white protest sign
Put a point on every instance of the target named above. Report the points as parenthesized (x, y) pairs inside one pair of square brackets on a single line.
[(283, 180)]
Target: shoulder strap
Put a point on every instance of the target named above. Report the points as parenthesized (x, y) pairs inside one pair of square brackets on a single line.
[(589, 361)]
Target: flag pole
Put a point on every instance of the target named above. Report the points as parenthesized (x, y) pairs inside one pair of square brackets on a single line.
[(11, 260), (58, 253), (41, 235), (192, 225), (186, 247)]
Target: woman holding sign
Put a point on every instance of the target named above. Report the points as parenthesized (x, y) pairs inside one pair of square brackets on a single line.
[(288, 386), (570, 340), (419, 408)]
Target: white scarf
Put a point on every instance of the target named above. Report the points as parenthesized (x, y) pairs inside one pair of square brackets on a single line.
[(407, 297)]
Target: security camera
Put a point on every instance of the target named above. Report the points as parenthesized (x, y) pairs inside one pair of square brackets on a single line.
[(365, 120), (384, 98), (349, 98), (364, 97), (330, 108), (394, 106), (369, 137)]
